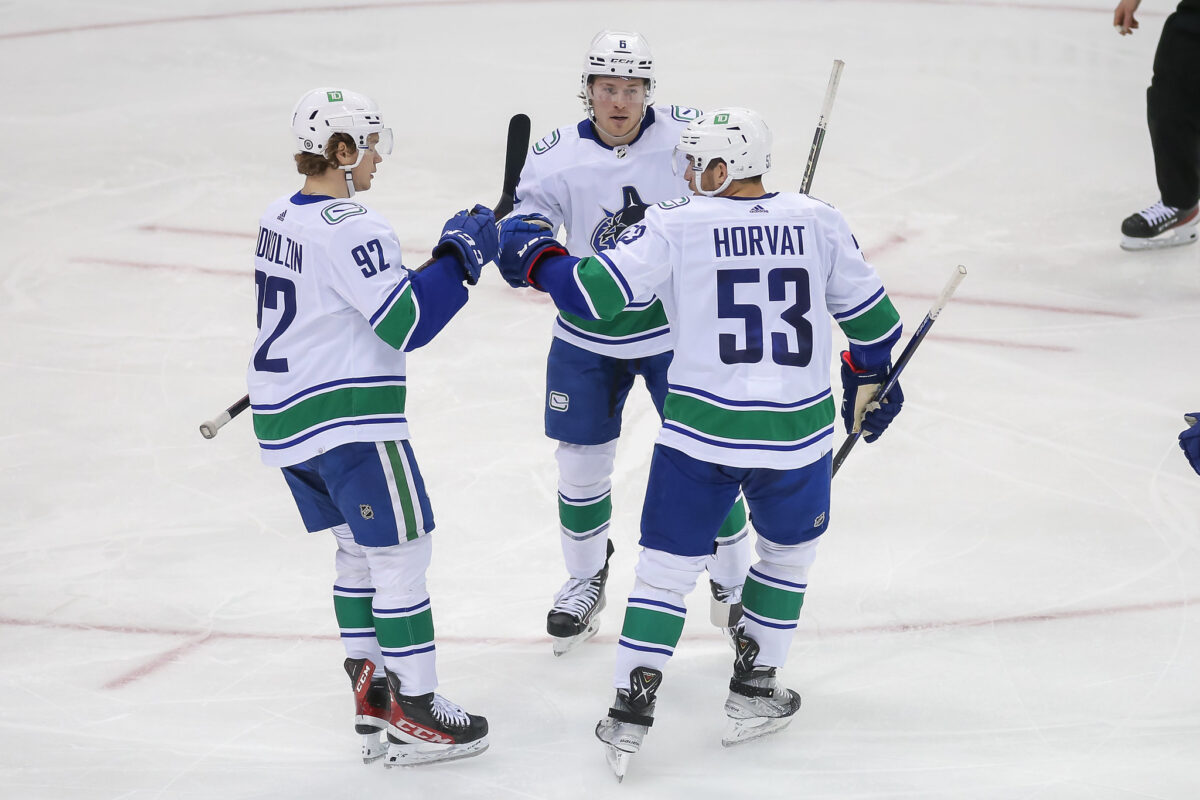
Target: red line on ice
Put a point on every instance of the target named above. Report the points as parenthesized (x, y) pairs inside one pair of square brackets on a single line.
[(975, 301), (199, 637)]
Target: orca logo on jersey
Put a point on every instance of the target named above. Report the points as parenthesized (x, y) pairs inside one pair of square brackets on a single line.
[(366, 511), (609, 230), (559, 401)]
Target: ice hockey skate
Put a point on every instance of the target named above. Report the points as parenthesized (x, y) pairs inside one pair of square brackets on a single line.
[(574, 618), (757, 705), (630, 717), (372, 706), (1158, 227), (427, 728), (725, 610)]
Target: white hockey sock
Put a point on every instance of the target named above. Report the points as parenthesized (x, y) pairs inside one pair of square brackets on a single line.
[(773, 596), (584, 505), (735, 549), (403, 613), (655, 611), (352, 597)]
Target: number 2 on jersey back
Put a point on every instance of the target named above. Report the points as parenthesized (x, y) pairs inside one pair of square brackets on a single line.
[(752, 316), (272, 288)]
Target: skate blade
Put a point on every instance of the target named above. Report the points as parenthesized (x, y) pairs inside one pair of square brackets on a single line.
[(741, 731), (1176, 238), (565, 644), (415, 755), (373, 748), (618, 761)]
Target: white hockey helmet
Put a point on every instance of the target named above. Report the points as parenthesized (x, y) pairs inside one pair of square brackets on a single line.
[(324, 112), (737, 136), (618, 54)]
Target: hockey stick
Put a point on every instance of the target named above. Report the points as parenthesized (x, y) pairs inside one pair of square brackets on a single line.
[(514, 162), (209, 429), (960, 272), (835, 77)]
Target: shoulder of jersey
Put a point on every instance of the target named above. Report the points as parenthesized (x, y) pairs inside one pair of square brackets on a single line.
[(678, 114), (552, 140)]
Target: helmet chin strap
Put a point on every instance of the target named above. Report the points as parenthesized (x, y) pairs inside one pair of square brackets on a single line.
[(698, 180), (349, 170)]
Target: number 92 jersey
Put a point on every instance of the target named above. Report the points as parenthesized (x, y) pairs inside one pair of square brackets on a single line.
[(749, 286), (335, 312)]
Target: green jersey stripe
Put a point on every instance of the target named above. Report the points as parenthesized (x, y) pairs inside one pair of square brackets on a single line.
[(652, 627), (400, 319), (783, 426), (584, 519), (398, 632), (627, 323), (348, 402), (873, 324), (353, 612), (771, 602), (602, 290), (401, 479)]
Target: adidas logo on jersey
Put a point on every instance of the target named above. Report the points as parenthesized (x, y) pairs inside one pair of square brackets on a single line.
[(757, 209), (282, 214)]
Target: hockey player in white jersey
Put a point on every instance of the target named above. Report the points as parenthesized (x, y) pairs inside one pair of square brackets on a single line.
[(750, 280), (595, 179), (337, 311)]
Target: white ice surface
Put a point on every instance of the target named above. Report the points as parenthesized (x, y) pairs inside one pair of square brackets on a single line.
[(1005, 605)]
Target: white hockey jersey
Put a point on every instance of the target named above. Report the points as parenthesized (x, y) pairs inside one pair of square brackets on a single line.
[(749, 287), (335, 311), (574, 179)]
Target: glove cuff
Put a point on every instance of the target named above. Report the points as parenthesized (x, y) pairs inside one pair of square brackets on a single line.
[(554, 249), (449, 246)]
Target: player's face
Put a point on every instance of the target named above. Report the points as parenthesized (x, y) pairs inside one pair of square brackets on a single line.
[(617, 103), (364, 173)]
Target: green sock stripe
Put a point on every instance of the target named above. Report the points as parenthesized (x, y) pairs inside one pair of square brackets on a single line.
[(652, 627), (397, 632), (353, 612), (584, 518), (772, 602), (401, 476), (735, 521)]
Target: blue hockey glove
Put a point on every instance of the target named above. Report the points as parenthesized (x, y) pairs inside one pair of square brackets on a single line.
[(524, 240), (471, 236), (858, 389), (1189, 440)]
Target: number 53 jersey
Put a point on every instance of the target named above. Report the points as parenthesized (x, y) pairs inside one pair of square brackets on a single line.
[(335, 313), (750, 286)]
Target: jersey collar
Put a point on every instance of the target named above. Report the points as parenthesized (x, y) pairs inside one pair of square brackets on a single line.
[(299, 199), (587, 130)]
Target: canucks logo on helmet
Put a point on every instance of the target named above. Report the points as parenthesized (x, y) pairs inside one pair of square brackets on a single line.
[(606, 234)]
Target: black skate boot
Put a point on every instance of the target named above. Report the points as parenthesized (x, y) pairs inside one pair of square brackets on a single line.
[(428, 728), (630, 717), (1159, 226), (372, 706), (757, 704), (574, 618)]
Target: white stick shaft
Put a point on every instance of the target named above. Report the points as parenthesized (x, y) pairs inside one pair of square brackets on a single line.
[(835, 77), (955, 279)]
